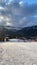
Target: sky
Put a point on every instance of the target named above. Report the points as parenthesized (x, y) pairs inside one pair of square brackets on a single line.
[(18, 13)]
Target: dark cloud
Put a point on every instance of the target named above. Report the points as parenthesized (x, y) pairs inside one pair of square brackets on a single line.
[(21, 13)]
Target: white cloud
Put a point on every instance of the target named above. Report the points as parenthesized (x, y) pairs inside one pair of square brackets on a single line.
[(1, 8), (1, 17), (8, 2), (5, 18), (8, 24), (21, 3)]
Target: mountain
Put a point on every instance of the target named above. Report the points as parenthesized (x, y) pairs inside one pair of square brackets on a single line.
[(28, 32), (10, 31)]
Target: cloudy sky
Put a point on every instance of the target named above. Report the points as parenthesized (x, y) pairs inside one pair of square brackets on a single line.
[(18, 13)]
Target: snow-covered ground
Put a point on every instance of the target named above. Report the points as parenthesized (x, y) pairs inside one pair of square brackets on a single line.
[(18, 53), (16, 40), (20, 40)]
